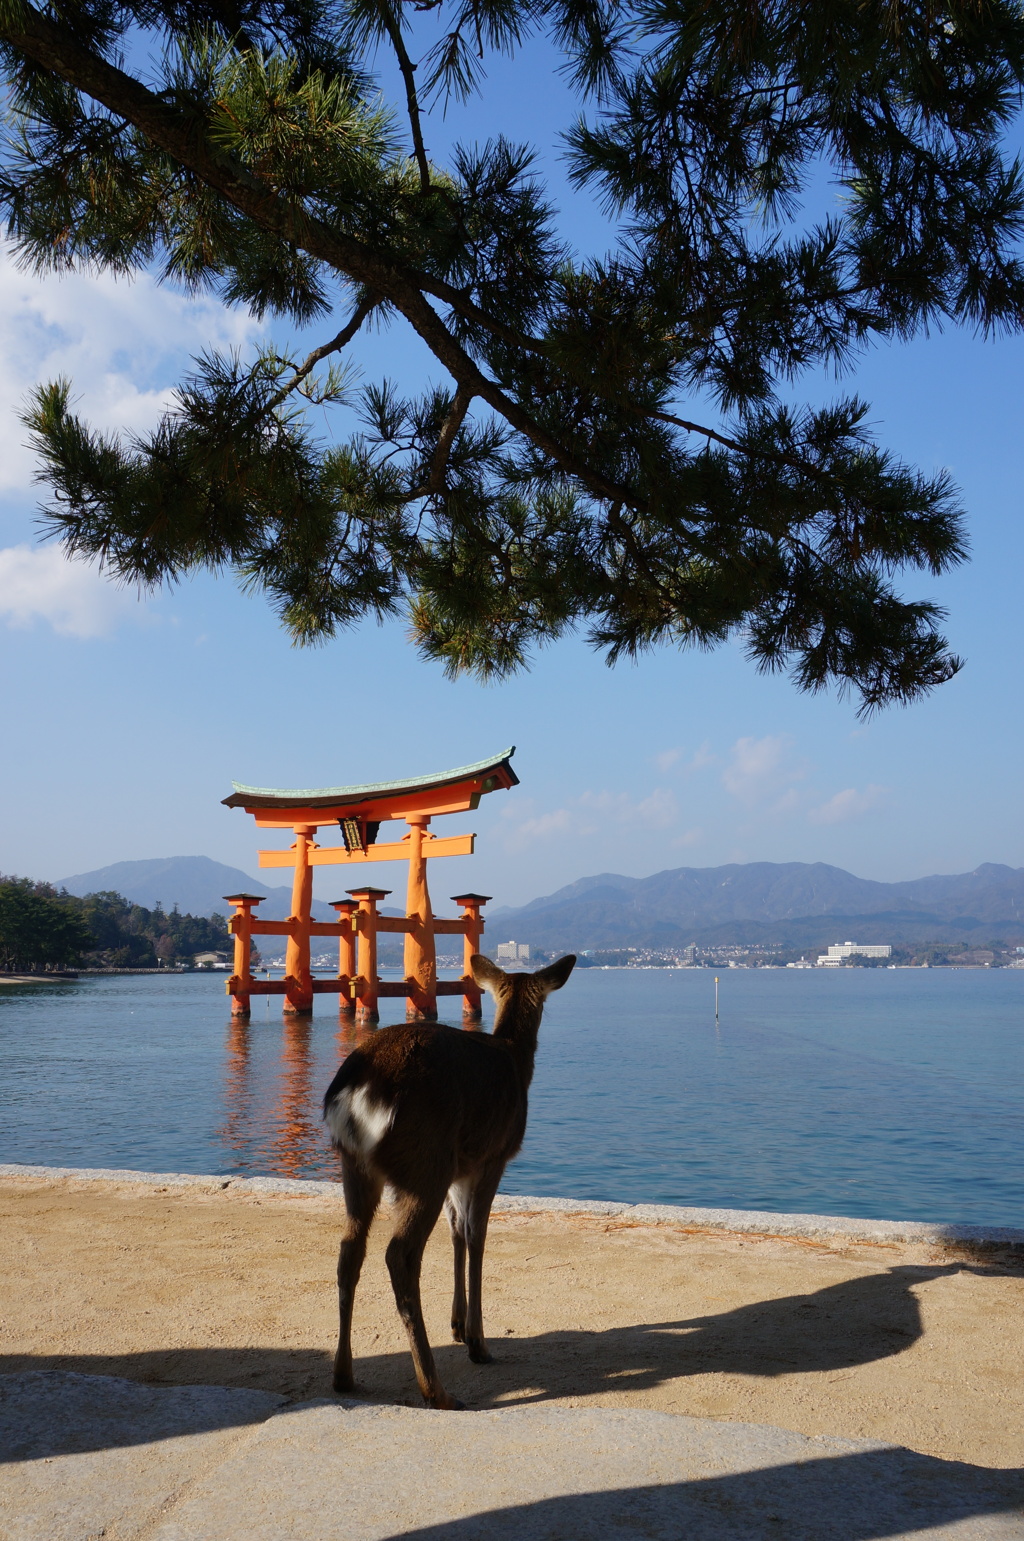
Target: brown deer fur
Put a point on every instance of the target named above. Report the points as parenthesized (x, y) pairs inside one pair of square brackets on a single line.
[(436, 1113)]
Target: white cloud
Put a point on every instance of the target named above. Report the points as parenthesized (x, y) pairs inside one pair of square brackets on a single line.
[(702, 758), (589, 814), (122, 343), (751, 762), (762, 770), (667, 759), (529, 831), (40, 584), (848, 804), (656, 811)]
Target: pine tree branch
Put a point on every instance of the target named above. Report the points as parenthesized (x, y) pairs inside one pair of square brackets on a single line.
[(55, 47), (709, 433), (470, 311), (335, 345), (407, 68), (446, 438), (777, 457)]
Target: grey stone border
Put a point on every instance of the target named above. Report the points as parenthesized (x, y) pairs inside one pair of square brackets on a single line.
[(757, 1222)]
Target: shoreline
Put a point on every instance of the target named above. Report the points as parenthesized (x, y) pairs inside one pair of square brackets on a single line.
[(753, 1222)]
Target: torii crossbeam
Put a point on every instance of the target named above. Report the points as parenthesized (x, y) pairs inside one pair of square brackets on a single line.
[(359, 812)]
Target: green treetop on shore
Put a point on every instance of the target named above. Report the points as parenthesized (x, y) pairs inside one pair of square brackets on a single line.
[(607, 446), (45, 927), (37, 930)]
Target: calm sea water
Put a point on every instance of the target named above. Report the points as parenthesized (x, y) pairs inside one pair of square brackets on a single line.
[(892, 1094)]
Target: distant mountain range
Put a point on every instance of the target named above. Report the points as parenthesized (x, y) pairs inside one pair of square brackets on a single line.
[(791, 904), (195, 884)]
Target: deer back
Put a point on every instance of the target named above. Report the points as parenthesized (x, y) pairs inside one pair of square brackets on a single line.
[(421, 1095), (422, 1099)]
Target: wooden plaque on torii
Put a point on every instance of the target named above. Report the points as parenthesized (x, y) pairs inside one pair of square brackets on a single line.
[(358, 811)]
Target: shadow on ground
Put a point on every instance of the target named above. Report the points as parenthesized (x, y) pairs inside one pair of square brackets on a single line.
[(863, 1496), (47, 1413), (852, 1323)]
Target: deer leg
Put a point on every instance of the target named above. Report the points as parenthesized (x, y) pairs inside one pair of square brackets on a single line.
[(362, 1195), (455, 1211), (479, 1213), (417, 1217)]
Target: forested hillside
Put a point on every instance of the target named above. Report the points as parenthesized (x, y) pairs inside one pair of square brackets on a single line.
[(45, 927)]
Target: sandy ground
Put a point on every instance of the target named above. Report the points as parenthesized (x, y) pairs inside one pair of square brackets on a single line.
[(916, 1345)]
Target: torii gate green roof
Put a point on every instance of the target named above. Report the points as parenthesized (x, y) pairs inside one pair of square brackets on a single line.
[(322, 797)]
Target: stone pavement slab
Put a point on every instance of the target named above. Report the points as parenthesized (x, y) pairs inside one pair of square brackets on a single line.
[(91, 1456), (83, 1456), (329, 1472)]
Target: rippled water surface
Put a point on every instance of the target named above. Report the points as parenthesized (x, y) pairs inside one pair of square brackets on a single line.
[(862, 1092)]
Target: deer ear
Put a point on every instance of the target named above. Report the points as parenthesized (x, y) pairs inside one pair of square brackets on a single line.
[(554, 976), (487, 974)]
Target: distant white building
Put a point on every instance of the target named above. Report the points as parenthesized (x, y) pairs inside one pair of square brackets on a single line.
[(840, 951), (513, 952)]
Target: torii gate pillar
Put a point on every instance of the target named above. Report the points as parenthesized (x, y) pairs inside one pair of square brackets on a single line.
[(298, 975), (420, 953)]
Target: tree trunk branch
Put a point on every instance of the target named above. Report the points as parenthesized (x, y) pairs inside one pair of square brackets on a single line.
[(335, 345), (407, 68), (446, 438)]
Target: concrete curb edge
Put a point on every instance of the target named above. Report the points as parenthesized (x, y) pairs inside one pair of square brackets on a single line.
[(759, 1222)]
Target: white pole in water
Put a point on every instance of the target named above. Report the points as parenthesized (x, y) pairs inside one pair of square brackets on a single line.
[(716, 997)]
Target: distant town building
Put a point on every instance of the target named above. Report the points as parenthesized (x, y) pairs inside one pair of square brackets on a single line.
[(211, 960), (513, 952), (840, 951)]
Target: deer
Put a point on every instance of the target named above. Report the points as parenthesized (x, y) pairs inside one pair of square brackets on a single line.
[(435, 1113)]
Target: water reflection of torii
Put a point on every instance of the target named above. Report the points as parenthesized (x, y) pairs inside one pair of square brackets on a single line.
[(296, 1145), (238, 1090)]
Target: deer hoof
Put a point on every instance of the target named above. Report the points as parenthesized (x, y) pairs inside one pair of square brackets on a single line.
[(343, 1383), (479, 1352), (446, 1404)]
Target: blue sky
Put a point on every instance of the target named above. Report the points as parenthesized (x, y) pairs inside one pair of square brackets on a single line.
[(123, 728)]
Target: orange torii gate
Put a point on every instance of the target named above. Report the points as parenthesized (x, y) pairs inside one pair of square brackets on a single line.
[(359, 811)]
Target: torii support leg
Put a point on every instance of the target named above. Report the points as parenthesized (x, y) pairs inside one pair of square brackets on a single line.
[(240, 926), (298, 1000), (420, 952), (346, 909), (366, 1011), (472, 1014), (241, 975)]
